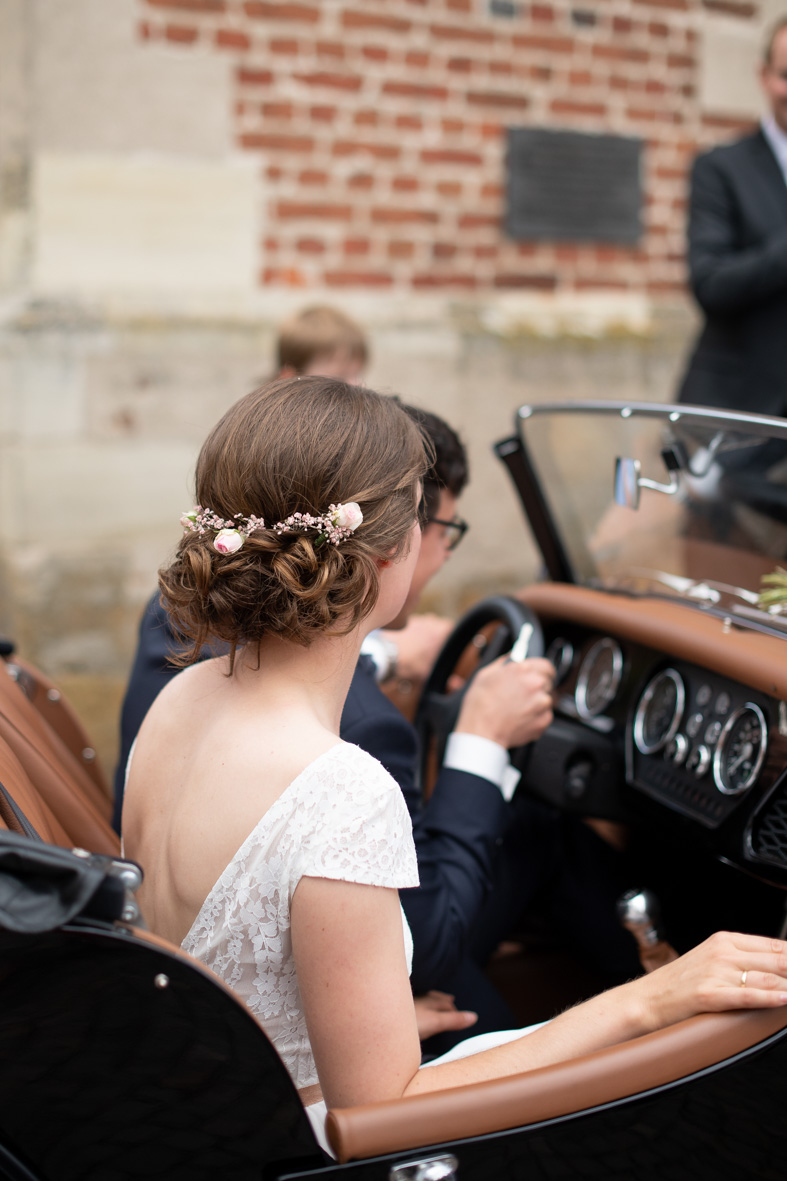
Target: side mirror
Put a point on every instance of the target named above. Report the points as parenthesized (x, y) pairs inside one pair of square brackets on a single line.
[(628, 480)]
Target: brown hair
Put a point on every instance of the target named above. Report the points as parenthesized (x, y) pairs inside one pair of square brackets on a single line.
[(320, 331), (296, 445)]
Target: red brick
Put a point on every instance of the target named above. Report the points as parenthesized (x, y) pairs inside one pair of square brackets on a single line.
[(466, 282), (474, 221), (622, 24), (566, 253), (460, 65), (331, 79), (449, 188), (405, 184), (366, 118), (492, 191), (548, 44), (287, 276), (498, 98), (580, 78), (417, 58), (415, 90), (356, 246), (398, 216), (375, 53), (248, 77), (458, 5), (277, 143), (326, 211), (567, 106), (322, 114), (453, 126), (450, 156), (620, 53), (232, 39), (360, 180), (662, 286), (444, 249), (352, 147), (181, 33), (274, 173), (401, 249), (728, 122), (357, 279), (526, 249), (654, 86), (284, 45), (332, 49), (411, 122), (353, 19), (313, 176), (680, 5), (304, 13), (462, 33), (310, 246), (271, 244), (524, 280), (277, 110), (542, 13), (145, 30), (485, 251), (190, 5), (541, 73), (681, 60), (658, 29), (501, 69)]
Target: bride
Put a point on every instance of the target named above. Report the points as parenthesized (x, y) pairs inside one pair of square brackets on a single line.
[(272, 850)]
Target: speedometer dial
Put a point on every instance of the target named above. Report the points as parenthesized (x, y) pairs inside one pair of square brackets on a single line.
[(659, 712), (741, 750), (599, 677)]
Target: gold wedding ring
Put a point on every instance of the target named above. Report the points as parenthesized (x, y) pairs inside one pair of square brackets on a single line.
[(743, 979)]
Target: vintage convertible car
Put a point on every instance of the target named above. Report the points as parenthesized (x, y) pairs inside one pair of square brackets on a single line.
[(122, 1058)]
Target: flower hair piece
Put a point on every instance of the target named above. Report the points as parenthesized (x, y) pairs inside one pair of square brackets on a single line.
[(335, 526)]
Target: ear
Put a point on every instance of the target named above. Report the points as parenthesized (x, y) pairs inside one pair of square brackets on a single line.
[(382, 563)]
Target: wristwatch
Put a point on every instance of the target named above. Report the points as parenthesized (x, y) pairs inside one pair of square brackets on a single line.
[(383, 652)]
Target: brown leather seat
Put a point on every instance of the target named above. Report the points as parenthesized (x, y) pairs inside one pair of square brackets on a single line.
[(53, 781)]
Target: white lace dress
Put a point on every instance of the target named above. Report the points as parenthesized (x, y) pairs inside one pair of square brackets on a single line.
[(343, 817)]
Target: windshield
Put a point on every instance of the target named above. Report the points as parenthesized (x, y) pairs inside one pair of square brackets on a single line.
[(713, 525)]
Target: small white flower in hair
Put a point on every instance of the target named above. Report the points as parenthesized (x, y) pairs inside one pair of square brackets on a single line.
[(347, 516), (228, 541)]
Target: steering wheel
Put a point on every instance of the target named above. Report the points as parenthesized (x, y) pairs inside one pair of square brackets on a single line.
[(438, 710)]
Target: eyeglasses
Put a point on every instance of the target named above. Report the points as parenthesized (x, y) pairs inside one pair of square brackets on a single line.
[(454, 530)]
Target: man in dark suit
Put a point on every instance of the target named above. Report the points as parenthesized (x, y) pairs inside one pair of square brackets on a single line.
[(738, 259), (461, 830)]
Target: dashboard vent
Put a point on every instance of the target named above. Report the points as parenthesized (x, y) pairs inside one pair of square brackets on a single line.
[(769, 834)]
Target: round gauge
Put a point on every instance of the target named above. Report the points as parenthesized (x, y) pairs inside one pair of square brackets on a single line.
[(560, 653), (659, 711), (741, 750), (599, 677)]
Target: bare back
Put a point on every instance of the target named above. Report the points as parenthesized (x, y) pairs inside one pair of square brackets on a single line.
[(212, 756)]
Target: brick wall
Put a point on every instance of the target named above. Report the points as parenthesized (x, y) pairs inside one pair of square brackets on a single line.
[(379, 126)]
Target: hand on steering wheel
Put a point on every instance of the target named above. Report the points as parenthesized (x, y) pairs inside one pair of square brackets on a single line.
[(438, 710)]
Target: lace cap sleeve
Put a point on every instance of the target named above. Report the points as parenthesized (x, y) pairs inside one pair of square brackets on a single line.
[(354, 825)]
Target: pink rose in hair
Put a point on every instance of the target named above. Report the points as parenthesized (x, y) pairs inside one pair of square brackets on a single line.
[(348, 516), (228, 541)]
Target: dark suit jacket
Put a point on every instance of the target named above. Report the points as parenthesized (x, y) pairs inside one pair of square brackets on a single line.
[(456, 834), (738, 270)]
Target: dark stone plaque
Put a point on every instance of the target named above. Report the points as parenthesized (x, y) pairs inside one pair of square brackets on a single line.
[(571, 186)]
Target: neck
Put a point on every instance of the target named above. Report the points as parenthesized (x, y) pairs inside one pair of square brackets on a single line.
[(314, 679)]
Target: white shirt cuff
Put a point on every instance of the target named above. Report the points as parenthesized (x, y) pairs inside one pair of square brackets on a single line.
[(482, 757)]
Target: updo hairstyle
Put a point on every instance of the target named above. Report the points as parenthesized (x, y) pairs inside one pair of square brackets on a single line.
[(296, 445)]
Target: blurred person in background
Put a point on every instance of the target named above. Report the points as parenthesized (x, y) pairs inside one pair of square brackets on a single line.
[(737, 253)]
